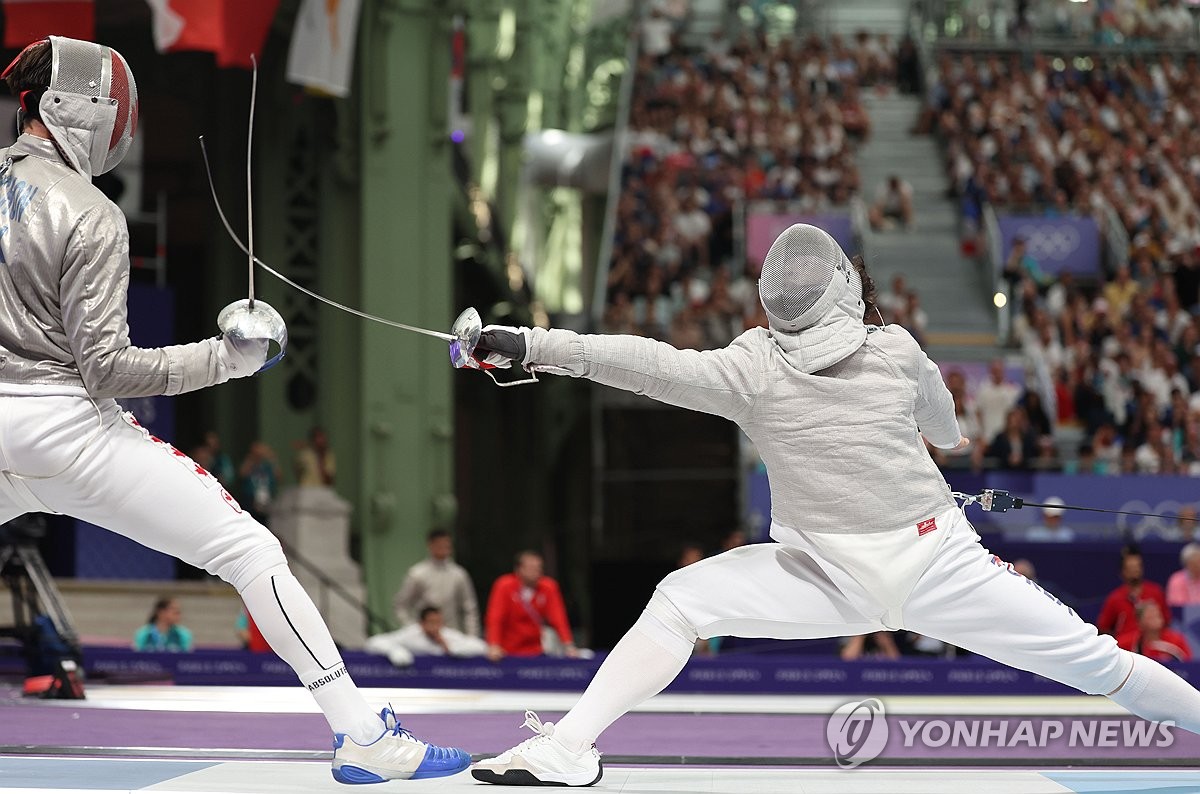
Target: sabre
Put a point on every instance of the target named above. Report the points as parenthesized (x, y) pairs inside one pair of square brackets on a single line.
[(348, 309), (255, 319), (251, 319)]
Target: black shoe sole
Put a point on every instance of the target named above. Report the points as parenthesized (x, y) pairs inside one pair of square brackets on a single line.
[(523, 777)]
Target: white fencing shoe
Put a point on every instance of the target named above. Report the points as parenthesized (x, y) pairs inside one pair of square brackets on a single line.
[(395, 755), (541, 761)]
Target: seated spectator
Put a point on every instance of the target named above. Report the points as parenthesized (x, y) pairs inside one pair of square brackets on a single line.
[(526, 615), (896, 298), (428, 637), (163, 631), (315, 464), (1151, 638), (1183, 593), (893, 204), (1016, 448), (994, 399), (1117, 616), (439, 582), (1052, 529), (1119, 292), (1020, 266), (1183, 586), (1085, 462)]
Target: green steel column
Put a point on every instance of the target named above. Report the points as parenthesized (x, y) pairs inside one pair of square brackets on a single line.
[(512, 106), (482, 26), (405, 401), (286, 201)]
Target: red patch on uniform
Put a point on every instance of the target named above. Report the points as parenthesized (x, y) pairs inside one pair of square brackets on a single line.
[(926, 526), (230, 500)]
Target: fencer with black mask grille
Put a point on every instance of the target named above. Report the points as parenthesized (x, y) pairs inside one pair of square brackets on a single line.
[(865, 535), (65, 353)]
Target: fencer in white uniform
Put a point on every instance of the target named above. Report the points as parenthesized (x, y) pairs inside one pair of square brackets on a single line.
[(66, 446), (866, 535)]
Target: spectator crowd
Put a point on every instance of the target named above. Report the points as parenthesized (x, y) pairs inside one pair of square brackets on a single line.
[(733, 120), (1117, 359)]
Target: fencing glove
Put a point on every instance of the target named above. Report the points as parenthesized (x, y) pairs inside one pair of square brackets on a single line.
[(500, 345), (240, 358)]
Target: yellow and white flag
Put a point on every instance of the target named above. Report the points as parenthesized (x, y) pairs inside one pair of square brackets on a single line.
[(322, 52)]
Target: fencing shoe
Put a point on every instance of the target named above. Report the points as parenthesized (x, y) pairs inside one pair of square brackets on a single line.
[(395, 755), (541, 761)]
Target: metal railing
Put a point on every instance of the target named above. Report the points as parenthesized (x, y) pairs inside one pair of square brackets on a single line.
[(620, 154), (1116, 237), (993, 262)]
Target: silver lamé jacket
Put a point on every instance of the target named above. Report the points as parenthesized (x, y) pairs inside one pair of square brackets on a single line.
[(64, 279)]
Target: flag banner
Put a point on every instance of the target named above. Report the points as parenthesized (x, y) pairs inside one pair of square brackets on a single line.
[(322, 52), (30, 20)]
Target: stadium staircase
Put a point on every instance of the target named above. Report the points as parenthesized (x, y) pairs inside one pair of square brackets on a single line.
[(962, 321)]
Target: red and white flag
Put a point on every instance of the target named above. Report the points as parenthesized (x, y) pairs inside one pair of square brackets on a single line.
[(232, 29), (30, 20), (322, 52)]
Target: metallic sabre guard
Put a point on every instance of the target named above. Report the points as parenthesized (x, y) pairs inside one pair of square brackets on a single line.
[(466, 331), (239, 321)]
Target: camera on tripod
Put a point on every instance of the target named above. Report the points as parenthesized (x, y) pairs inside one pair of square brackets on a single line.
[(41, 622)]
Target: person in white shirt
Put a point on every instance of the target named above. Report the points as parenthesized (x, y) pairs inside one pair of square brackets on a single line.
[(428, 637), (656, 34), (439, 581), (995, 398), (893, 202)]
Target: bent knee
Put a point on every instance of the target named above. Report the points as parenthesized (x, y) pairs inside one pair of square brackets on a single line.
[(1100, 670), (243, 559)]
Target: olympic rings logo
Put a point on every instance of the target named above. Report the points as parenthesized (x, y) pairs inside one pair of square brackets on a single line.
[(1050, 240)]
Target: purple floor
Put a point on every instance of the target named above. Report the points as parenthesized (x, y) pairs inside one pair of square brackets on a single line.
[(647, 736)]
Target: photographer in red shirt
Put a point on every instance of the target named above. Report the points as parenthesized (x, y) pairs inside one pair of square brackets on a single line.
[(525, 613)]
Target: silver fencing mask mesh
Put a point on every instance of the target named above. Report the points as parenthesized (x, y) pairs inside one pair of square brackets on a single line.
[(804, 275), (91, 106)]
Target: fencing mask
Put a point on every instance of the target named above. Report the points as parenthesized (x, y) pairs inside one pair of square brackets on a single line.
[(813, 297), (91, 105)]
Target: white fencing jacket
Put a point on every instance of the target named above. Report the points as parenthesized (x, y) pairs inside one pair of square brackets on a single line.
[(838, 423)]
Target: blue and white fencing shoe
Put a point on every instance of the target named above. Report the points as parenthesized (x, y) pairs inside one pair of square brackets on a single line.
[(395, 755)]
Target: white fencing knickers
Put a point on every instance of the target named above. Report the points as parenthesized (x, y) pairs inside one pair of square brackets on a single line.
[(941, 583), (65, 454), (127, 481)]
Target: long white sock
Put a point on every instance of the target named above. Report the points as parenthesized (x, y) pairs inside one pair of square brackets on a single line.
[(1155, 693), (291, 624), (641, 665)]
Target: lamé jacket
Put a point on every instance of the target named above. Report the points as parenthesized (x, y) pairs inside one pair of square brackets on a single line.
[(64, 280)]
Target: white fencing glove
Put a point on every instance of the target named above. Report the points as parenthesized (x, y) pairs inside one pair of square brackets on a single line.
[(500, 345), (240, 358)]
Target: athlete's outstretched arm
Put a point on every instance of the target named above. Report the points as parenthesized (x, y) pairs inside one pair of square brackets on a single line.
[(722, 382)]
